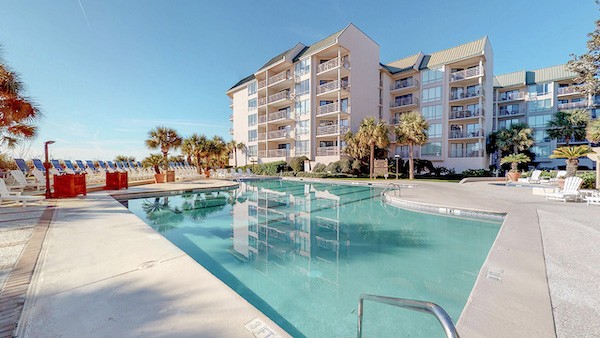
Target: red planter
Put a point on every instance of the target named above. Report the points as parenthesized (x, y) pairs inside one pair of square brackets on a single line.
[(116, 181), (69, 185)]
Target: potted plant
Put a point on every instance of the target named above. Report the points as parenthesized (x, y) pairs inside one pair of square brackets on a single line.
[(572, 155), (154, 161), (515, 160), (164, 139)]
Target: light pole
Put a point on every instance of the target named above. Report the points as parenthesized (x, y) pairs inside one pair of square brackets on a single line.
[(397, 157), (47, 166)]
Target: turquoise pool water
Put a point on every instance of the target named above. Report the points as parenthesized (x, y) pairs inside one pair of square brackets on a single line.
[(302, 253)]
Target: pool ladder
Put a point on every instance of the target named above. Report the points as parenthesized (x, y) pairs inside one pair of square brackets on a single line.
[(396, 188), (413, 305)]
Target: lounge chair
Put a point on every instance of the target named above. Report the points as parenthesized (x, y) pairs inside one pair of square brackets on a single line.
[(535, 177), (569, 192), (80, 165), (22, 165), (22, 181), (6, 195), (57, 166), (37, 163), (592, 200), (110, 165), (70, 166)]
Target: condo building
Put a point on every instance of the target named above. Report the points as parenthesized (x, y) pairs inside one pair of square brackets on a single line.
[(534, 97)]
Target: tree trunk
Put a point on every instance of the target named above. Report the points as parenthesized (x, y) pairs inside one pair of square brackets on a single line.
[(567, 140), (572, 164), (411, 163), (198, 164), (372, 162), (235, 156), (514, 167), (166, 160)]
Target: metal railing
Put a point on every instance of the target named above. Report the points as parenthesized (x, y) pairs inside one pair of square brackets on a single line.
[(262, 136), (405, 83), (282, 95), (280, 115), (332, 85), (333, 129), (406, 101), (278, 153), (262, 119), (262, 101), (464, 153), (328, 151), (506, 112), (466, 74), (467, 93), (465, 134), (512, 96), (279, 77), (572, 105), (392, 187), (568, 90), (409, 304), (328, 108), (262, 84), (279, 134), (327, 65), (463, 114)]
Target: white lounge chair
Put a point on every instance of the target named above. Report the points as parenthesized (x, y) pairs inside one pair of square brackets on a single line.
[(6, 195), (21, 180), (535, 177), (569, 192)]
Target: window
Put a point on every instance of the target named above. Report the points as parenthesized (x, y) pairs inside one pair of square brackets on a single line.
[(510, 95), (539, 120), (432, 149), (252, 135), (302, 148), (538, 105), (432, 75), (285, 146), (403, 100), (344, 106), (323, 144), (302, 127), (252, 88), (302, 107), (505, 124), (539, 89), (510, 109), (432, 94), (303, 87), (302, 67), (252, 150), (541, 151), (432, 112), (473, 149), (456, 149), (540, 136), (252, 120), (472, 129), (252, 104), (435, 130)]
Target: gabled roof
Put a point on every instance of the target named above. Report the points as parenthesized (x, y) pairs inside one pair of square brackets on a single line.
[(554, 73), (511, 79), (404, 64), (242, 81), (453, 54), (275, 59), (330, 40)]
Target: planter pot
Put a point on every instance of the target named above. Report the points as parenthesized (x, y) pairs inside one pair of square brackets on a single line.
[(561, 183), (159, 178), (171, 176), (513, 176)]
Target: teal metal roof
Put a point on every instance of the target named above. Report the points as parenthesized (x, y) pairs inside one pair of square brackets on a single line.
[(511, 79), (330, 40), (243, 81), (453, 54)]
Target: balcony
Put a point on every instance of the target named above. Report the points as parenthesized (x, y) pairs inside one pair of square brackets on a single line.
[(278, 153), (231, 131), (262, 119), (331, 86), (262, 101), (466, 74), (514, 96), (279, 134), (285, 75), (506, 112), (282, 95), (330, 108), (262, 136), (570, 90), (280, 115), (262, 153), (465, 153), (465, 114), (262, 84), (466, 94), (404, 84), (230, 117), (573, 105), (328, 151), (404, 102), (332, 130), (455, 134), (325, 66)]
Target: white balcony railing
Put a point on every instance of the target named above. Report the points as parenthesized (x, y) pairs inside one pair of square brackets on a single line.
[(573, 105), (466, 74), (328, 65), (231, 131), (464, 114), (230, 117), (465, 153), (512, 96), (262, 84), (262, 153), (282, 95), (330, 108), (278, 153), (285, 75), (280, 115), (467, 93), (262, 101), (568, 90), (328, 151), (332, 130), (405, 101), (262, 119), (506, 112), (406, 83), (279, 134), (465, 134), (331, 86)]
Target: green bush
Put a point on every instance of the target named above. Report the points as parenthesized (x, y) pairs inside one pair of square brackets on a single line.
[(288, 173), (297, 163), (476, 173), (589, 180), (271, 168), (319, 168), (333, 168), (345, 166)]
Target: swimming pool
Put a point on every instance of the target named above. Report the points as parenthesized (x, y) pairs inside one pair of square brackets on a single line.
[(302, 253)]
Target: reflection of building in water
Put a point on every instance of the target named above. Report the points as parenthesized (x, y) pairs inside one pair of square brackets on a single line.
[(301, 226)]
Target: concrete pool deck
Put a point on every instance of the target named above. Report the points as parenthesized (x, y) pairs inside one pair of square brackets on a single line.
[(104, 272)]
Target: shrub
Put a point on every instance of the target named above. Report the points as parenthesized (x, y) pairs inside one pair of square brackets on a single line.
[(333, 168), (7, 163), (589, 180), (476, 173), (319, 167), (297, 163), (271, 168), (345, 166), (288, 173)]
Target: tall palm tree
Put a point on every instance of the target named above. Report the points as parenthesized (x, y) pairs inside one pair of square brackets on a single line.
[(518, 137), (572, 155), (371, 135), (17, 113), (411, 130), (568, 125), (165, 139), (232, 147), (242, 147), (196, 148)]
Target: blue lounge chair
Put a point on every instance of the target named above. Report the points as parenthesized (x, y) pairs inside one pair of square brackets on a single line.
[(80, 165), (131, 165), (70, 165), (111, 165), (22, 165), (139, 164), (120, 166), (37, 163), (103, 165), (57, 166), (91, 165)]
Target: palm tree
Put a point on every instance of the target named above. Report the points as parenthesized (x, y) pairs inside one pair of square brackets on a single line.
[(568, 125), (18, 112), (232, 147), (515, 160), (242, 147), (123, 158), (592, 132), (572, 155), (218, 151), (518, 137), (153, 161), (371, 135), (164, 139), (353, 146), (411, 130)]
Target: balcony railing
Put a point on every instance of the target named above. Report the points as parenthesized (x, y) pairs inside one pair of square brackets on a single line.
[(285, 75), (282, 95), (406, 83), (278, 153), (475, 92), (465, 153), (262, 101), (332, 85), (465, 134), (568, 90), (333, 129), (506, 112), (328, 151), (464, 114), (330, 108), (279, 134), (512, 96), (466, 74), (262, 153), (262, 84), (280, 115), (573, 105), (262, 136), (407, 101), (262, 119), (328, 65), (231, 131), (230, 117)]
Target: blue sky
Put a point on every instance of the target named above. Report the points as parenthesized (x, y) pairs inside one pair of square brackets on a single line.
[(106, 72)]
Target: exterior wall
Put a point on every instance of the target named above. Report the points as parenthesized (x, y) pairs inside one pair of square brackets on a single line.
[(240, 122)]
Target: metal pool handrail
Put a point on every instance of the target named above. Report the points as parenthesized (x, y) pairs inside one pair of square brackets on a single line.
[(413, 305), (392, 187)]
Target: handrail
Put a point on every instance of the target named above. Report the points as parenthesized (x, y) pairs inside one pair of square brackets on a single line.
[(391, 186), (413, 305)]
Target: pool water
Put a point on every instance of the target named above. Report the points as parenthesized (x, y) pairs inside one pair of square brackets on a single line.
[(302, 253)]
